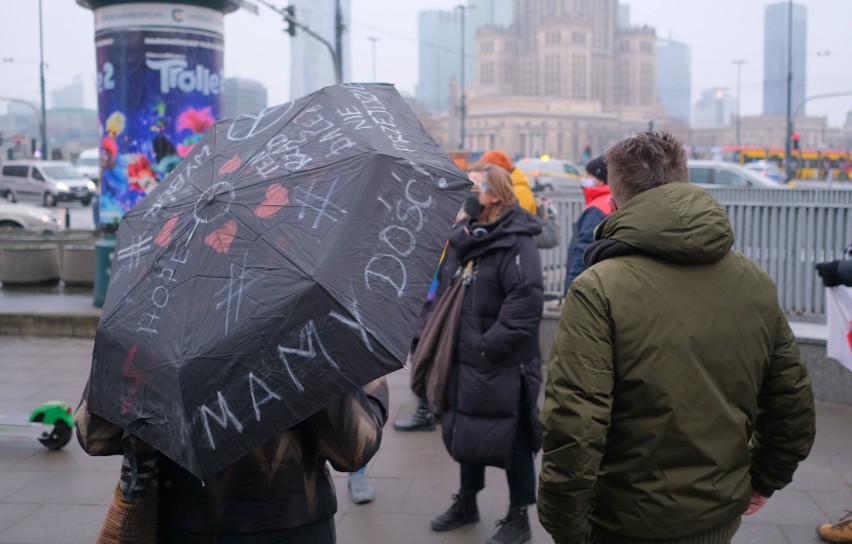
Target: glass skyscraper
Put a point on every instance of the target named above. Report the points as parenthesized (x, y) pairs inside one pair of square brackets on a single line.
[(674, 76), (311, 67), (439, 57), (775, 50), (439, 37)]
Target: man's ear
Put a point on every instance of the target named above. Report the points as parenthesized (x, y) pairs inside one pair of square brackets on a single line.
[(613, 203)]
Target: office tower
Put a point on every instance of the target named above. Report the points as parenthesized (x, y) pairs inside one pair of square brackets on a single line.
[(478, 15), (439, 57), (674, 73), (714, 109), (242, 96), (311, 65), (439, 34), (634, 80), (623, 16), (775, 57), (70, 96)]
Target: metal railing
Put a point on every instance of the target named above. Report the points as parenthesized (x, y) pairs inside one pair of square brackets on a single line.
[(785, 232)]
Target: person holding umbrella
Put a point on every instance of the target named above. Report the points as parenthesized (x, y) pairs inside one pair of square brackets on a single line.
[(248, 307), (281, 492), (491, 417)]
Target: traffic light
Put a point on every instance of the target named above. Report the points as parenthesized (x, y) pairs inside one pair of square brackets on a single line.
[(290, 17), (795, 140)]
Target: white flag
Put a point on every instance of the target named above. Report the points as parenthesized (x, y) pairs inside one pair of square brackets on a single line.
[(839, 306)]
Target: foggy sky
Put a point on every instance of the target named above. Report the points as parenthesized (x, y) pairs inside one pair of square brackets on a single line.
[(718, 32)]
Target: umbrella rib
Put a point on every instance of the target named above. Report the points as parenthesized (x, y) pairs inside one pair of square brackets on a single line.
[(244, 165)]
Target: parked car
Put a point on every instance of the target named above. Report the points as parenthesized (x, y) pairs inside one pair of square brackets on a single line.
[(88, 163), (24, 216), (768, 169), (47, 182), (727, 174), (548, 174)]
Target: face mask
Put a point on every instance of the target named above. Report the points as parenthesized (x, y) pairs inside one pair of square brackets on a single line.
[(472, 207), (587, 182)]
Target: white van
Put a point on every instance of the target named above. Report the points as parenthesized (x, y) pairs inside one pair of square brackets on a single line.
[(89, 164), (47, 182)]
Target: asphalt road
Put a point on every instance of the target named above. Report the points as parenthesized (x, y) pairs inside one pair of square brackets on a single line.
[(79, 217)]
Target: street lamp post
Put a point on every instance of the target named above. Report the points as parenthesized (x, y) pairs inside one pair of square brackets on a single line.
[(338, 39), (462, 106), (788, 162), (739, 63), (374, 39), (41, 73)]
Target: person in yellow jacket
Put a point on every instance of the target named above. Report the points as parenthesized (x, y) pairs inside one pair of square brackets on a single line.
[(520, 181)]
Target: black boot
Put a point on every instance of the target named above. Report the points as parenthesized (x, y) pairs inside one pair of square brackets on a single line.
[(462, 512), (514, 528), (423, 419)]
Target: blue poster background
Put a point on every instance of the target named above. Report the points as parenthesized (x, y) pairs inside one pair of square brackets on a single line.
[(158, 92)]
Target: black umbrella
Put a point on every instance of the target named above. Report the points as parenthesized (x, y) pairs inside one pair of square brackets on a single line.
[(279, 267)]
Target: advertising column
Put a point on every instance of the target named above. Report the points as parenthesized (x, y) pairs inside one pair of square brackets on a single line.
[(159, 89)]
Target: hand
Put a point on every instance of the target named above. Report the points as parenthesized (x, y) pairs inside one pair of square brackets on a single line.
[(757, 502), (828, 272)]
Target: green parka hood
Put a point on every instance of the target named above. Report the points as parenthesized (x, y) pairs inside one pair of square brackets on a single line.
[(677, 222)]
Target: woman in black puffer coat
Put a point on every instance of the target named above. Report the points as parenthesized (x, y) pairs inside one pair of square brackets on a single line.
[(493, 387)]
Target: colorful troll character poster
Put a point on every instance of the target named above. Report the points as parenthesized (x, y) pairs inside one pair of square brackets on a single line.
[(159, 89)]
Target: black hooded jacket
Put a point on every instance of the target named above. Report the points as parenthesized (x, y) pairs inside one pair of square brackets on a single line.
[(496, 376)]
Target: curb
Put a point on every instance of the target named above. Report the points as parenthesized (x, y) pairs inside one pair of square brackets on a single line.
[(77, 325)]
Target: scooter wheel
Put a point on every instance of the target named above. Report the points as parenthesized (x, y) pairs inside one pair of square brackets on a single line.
[(59, 436)]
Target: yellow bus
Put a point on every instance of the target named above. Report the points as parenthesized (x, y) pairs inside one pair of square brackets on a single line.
[(809, 163)]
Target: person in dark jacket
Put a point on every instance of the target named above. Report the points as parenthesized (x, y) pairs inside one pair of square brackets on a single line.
[(492, 416), (598, 206), (676, 398), (834, 273), (281, 492)]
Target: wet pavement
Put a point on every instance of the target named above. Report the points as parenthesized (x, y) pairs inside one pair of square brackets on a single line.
[(51, 497)]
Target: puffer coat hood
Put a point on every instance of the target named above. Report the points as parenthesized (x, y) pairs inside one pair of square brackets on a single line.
[(677, 222)]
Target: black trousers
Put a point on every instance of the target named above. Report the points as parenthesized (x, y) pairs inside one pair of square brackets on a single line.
[(520, 474)]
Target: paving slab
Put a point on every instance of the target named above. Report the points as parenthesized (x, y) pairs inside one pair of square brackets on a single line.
[(413, 475)]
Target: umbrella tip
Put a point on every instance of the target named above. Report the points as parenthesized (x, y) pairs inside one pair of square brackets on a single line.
[(211, 196)]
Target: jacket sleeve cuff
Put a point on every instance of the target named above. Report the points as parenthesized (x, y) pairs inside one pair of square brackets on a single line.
[(761, 489)]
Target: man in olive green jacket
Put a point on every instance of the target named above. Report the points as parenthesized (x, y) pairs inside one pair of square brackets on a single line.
[(676, 398)]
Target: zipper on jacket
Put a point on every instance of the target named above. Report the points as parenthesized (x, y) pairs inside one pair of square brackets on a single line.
[(518, 264)]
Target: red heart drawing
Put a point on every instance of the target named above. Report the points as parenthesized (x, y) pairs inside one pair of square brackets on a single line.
[(849, 336), (165, 235), (230, 166), (276, 198), (221, 238)]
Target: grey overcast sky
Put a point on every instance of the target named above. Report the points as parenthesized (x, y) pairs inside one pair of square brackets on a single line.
[(256, 47)]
